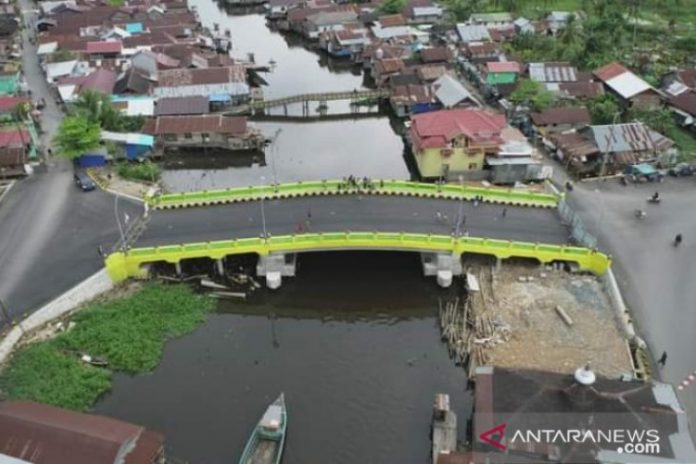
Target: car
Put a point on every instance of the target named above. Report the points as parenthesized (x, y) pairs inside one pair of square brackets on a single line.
[(83, 181), (682, 169)]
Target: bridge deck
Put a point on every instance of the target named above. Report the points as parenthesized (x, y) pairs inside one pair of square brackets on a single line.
[(324, 96), (351, 213)]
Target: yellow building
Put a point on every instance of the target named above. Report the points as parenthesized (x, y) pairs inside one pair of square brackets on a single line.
[(451, 142)]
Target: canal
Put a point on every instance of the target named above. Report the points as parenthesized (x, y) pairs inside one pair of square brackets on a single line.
[(354, 343), (302, 150)]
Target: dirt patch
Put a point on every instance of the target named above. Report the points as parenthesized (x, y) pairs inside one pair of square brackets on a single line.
[(524, 300), (108, 178)]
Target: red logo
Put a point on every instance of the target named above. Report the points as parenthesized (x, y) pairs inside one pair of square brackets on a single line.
[(495, 436)]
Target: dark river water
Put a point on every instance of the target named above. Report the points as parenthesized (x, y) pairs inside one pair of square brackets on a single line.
[(302, 150), (354, 344)]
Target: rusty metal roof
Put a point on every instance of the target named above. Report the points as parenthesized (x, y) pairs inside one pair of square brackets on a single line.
[(222, 75), (211, 124), (183, 105)]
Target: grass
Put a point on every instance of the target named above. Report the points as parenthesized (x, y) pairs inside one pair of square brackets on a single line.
[(146, 171), (686, 143), (129, 333)]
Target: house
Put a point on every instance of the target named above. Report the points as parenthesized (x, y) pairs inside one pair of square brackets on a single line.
[(436, 55), (324, 21), (394, 20), (104, 49), (684, 106), (515, 160), (552, 72), (676, 82), (611, 148), (347, 43), (523, 26), (383, 68), (8, 104), (502, 34), (16, 147), (585, 418), (449, 143), (100, 80), (428, 74), (451, 93), (584, 90), (42, 434), (631, 89), (182, 106), (205, 131), (561, 119), (491, 20), (148, 62), (411, 99), (62, 69), (9, 82), (132, 82), (502, 72), (134, 105), (133, 145), (278, 9), (228, 82), (556, 20), (425, 14), (481, 52), (473, 33)]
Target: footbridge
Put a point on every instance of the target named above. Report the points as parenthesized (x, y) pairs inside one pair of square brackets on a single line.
[(441, 222), (353, 95)]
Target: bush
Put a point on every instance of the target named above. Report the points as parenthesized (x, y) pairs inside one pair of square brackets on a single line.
[(129, 333), (146, 171)]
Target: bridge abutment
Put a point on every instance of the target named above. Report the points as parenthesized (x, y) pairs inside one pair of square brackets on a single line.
[(276, 266), (442, 265)]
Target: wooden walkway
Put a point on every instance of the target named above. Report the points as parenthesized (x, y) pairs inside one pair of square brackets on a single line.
[(321, 97)]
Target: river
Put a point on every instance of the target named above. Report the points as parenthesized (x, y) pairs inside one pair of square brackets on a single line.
[(302, 151), (354, 344)]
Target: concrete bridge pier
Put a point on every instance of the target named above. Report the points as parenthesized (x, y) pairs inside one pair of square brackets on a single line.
[(442, 265), (276, 266), (220, 266), (177, 268)]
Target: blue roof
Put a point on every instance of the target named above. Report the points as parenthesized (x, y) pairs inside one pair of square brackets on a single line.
[(219, 98), (134, 28)]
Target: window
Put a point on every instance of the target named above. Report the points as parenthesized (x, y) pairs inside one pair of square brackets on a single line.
[(170, 137), (205, 136), (188, 135), (473, 166)]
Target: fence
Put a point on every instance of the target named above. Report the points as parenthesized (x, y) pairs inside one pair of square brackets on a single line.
[(577, 228)]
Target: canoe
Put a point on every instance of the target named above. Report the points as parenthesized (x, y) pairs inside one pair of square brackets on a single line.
[(265, 445)]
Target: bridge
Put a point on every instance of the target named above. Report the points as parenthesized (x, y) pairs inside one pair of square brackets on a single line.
[(354, 96), (277, 222)]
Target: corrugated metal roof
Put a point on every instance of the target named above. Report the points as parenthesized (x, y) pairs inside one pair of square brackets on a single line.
[(503, 67), (185, 105), (473, 33), (628, 85), (212, 124), (552, 72), (113, 46), (628, 137), (450, 91)]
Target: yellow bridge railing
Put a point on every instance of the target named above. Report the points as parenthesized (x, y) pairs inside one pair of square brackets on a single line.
[(122, 265), (340, 187)]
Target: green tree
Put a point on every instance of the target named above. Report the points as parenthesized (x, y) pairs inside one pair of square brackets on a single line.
[(97, 106), (533, 94), (77, 135), (392, 6), (661, 121), (603, 109)]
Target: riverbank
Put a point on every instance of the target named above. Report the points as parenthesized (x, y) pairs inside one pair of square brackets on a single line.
[(126, 329)]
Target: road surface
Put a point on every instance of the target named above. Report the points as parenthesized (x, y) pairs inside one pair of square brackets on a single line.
[(658, 281), (352, 213)]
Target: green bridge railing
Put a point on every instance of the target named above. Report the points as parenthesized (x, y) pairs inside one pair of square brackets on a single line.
[(122, 265), (339, 187)]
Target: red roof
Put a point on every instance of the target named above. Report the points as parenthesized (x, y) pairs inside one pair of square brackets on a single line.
[(610, 71), (685, 101), (113, 46), (14, 137), (438, 128), (9, 103), (213, 124), (503, 67)]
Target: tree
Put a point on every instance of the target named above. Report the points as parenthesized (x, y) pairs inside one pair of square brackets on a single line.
[(76, 136), (97, 106), (661, 121), (533, 94), (603, 109), (392, 6)]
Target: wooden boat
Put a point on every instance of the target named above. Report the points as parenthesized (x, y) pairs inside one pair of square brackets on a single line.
[(265, 445)]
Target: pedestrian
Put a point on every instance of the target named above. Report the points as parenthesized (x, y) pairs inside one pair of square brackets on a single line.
[(309, 214), (50, 152), (100, 250), (438, 216), (663, 359), (504, 212)]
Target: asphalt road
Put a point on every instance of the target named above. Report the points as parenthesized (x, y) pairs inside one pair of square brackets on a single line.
[(367, 213), (658, 281), (49, 235)]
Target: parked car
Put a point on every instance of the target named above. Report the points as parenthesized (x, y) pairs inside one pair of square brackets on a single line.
[(682, 169), (84, 181)]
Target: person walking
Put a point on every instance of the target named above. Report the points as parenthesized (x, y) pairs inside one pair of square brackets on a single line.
[(504, 212), (663, 359)]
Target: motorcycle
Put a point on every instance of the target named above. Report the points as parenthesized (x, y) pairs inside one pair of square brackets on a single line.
[(640, 214), (653, 200)]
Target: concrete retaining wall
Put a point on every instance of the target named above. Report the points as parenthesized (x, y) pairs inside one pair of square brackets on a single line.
[(86, 290)]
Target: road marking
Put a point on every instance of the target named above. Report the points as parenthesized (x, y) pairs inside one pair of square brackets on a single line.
[(8, 187)]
